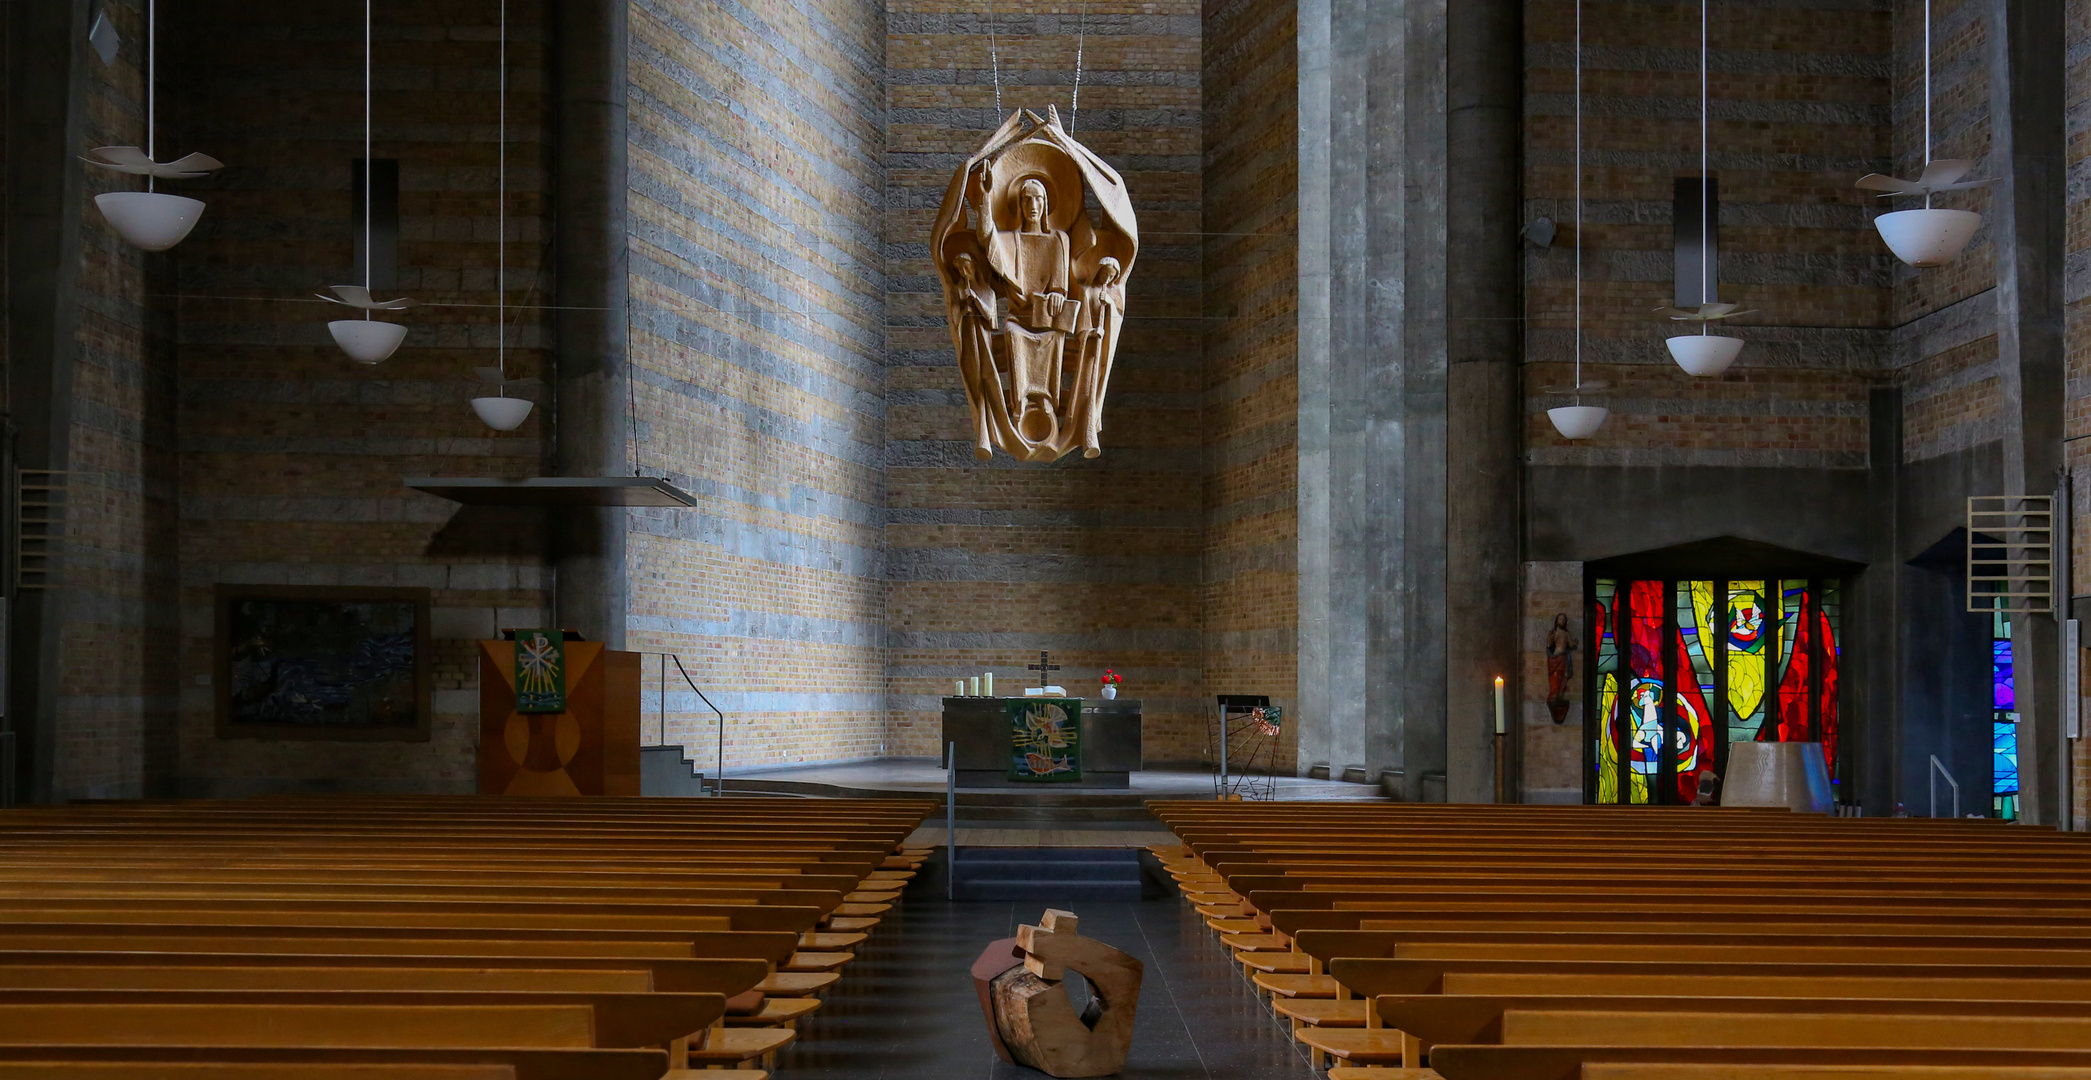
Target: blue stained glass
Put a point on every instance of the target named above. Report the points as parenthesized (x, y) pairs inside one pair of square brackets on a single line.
[(2004, 755), (2004, 699)]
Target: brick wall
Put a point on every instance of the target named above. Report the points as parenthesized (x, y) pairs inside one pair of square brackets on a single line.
[(1800, 97), (115, 606), (1945, 347), (1251, 342), (757, 297), (291, 454), (1096, 560)]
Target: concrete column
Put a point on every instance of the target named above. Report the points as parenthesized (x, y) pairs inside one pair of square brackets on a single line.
[(1483, 428), (46, 58), (591, 431), (1372, 386), (1872, 704), (2028, 223)]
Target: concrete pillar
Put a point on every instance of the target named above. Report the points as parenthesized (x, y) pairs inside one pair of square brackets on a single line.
[(46, 58), (1372, 387), (1483, 428), (2028, 223), (591, 431)]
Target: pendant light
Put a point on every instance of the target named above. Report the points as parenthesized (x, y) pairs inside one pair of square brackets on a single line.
[(1930, 236), (1579, 421), (501, 412), (366, 340), (1704, 354), (150, 219)]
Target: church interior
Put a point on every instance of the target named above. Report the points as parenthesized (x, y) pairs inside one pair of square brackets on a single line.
[(549, 539)]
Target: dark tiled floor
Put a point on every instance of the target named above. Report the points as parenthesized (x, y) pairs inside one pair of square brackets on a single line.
[(906, 1009)]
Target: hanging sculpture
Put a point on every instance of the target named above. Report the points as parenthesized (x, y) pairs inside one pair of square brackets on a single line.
[(1033, 289)]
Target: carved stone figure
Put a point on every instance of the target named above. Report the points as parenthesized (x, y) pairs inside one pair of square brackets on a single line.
[(1034, 290)]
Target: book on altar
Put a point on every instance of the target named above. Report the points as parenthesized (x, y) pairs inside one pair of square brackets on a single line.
[(1045, 691)]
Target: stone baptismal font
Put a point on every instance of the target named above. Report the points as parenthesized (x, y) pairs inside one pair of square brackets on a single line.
[(1033, 288)]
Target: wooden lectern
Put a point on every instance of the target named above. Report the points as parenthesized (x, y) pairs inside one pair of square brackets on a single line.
[(590, 749)]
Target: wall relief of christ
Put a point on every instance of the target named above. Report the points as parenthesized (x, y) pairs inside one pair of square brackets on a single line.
[(1034, 289)]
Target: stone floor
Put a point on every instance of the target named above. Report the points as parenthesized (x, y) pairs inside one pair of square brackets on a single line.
[(906, 1008)]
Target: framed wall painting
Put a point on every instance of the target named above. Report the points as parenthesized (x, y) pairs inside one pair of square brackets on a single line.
[(308, 662)]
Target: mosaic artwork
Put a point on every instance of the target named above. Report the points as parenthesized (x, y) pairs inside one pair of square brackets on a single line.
[(1045, 739), (322, 663)]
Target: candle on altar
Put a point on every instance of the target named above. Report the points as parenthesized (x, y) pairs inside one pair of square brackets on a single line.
[(991, 684), (959, 688), (1499, 704), (976, 686)]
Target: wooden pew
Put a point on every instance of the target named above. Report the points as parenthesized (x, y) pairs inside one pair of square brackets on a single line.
[(182, 1062)]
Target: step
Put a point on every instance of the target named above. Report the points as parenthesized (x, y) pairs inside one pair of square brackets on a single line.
[(1067, 871), (1047, 889)]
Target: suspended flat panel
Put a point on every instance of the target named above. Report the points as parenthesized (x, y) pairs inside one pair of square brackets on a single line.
[(554, 490), (1697, 242)]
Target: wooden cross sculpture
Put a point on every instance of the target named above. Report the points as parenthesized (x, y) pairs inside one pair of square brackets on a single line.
[(1044, 667)]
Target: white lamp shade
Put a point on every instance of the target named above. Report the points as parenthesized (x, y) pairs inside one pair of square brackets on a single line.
[(1704, 354), (502, 413), (1927, 237), (367, 341), (1578, 421), (153, 220)]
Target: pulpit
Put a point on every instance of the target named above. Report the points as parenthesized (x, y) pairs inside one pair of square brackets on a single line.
[(590, 747)]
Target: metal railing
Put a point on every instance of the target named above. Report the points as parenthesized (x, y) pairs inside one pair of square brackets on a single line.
[(1938, 768), (661, 714)]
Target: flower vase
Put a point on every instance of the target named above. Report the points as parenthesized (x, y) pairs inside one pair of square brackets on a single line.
[(1110, 693)]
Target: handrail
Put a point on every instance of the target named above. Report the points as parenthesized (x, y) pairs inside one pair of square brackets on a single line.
[(719, 781), (950, 820), (1932, 788)]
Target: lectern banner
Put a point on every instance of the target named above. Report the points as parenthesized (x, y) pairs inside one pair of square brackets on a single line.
[(540, 671), (1045, 739)]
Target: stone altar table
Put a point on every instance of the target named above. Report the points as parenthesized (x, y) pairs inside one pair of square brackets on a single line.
[(980, 726)]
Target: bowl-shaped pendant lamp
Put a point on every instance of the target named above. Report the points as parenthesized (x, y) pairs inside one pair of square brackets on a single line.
[(1578, 421), (502, 413), (152, 220), (367, 341), (1704, 355), (1928, 237)]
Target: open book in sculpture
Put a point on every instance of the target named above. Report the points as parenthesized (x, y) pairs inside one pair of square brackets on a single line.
[(1033, 288)]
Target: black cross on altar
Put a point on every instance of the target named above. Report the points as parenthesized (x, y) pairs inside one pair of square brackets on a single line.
[(1045, 664)]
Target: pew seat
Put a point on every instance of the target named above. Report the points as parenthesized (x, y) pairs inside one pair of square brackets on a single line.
[(777, 1012), (1297, 986), (792, 984), (1322, 1012)]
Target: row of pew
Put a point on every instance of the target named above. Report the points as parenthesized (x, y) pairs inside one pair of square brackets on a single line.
[(1411, 942), (433, 938)]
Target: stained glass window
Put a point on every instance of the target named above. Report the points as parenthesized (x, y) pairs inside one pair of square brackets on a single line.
[(2003, 700), (1683, 668)]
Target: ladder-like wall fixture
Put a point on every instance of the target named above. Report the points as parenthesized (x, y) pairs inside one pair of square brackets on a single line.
[(2011, 553), (41, 497)]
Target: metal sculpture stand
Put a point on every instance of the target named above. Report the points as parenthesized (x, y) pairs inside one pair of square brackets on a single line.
[(1029, 1016)]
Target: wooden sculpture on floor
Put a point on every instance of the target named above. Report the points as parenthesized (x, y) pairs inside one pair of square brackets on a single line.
[(1029, 1016), (1033, 289)]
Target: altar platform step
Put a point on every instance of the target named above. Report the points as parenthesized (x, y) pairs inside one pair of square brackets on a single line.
[(1047, 874)]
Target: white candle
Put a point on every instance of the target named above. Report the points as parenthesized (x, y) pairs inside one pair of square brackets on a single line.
[(1499, 704), (958, 688), (976, 686), (991, 684)]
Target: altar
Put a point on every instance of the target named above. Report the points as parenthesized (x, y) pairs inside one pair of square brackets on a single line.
[(1109, 742)]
